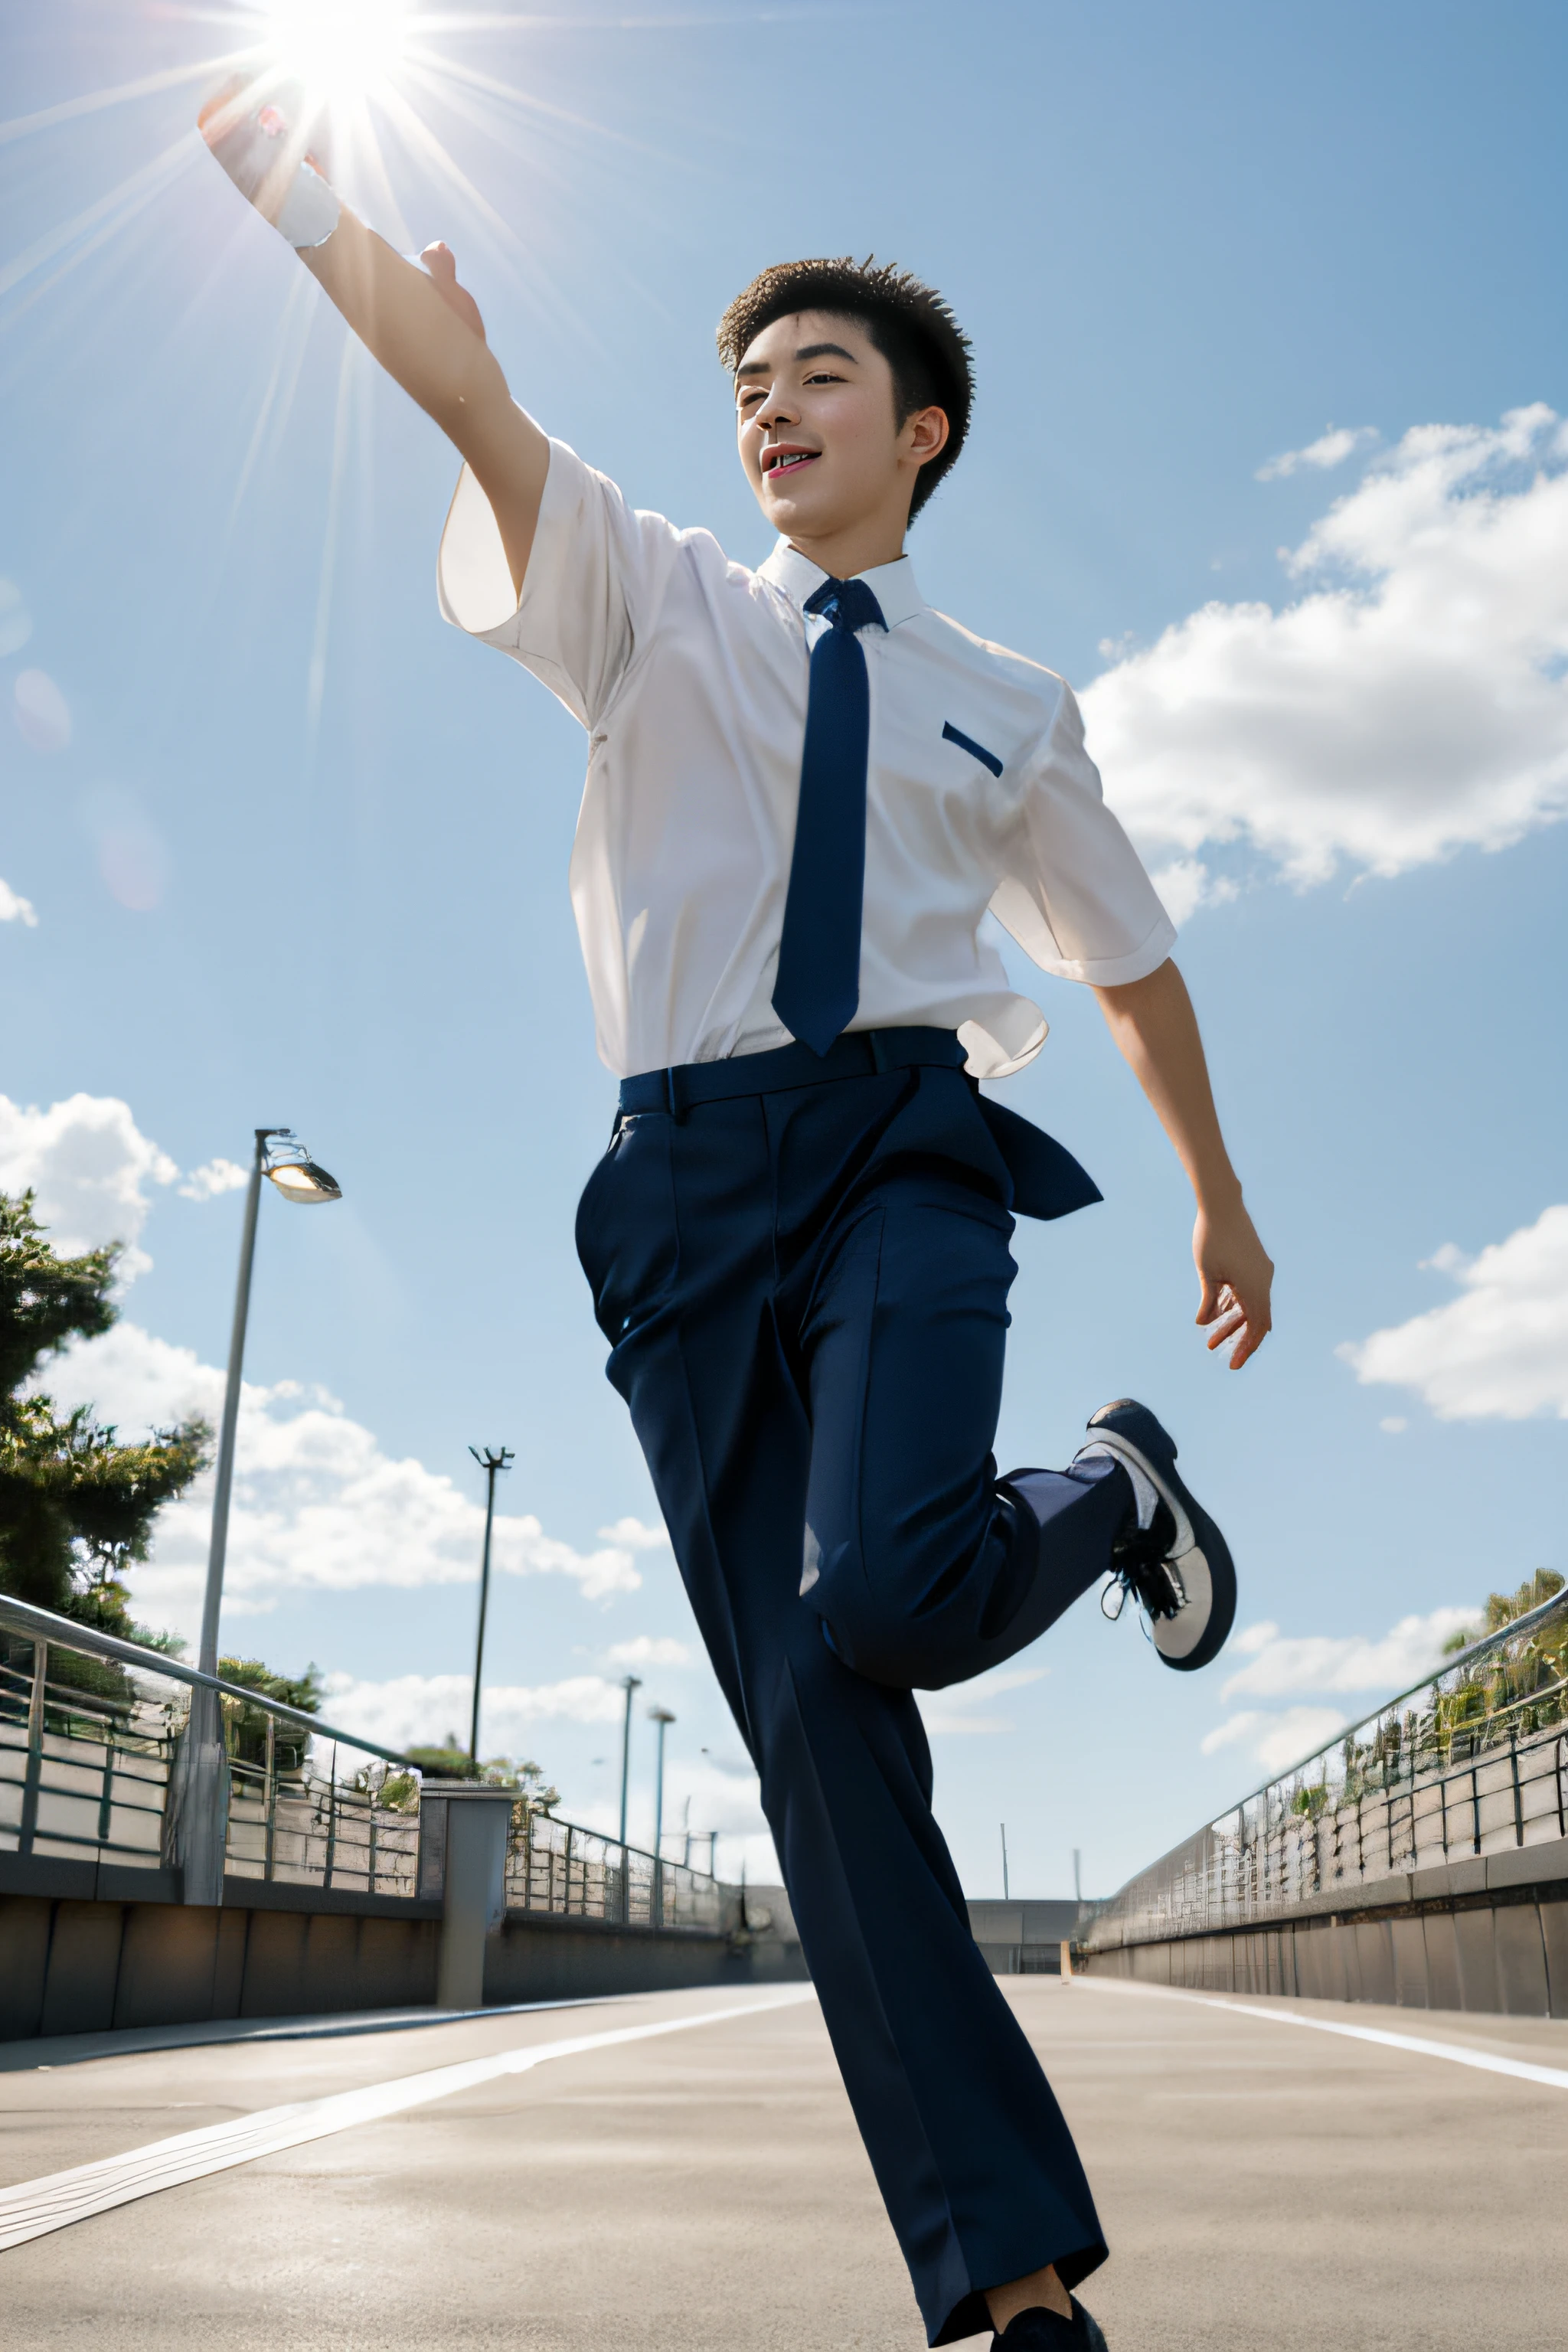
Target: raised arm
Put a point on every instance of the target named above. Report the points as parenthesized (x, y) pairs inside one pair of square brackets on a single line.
[(1153, 1023), (413, 317)]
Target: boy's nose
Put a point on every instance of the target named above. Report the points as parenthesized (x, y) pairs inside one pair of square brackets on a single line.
[(776, 410)]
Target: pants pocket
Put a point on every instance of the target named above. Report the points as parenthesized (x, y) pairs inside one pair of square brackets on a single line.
[(627, 1237)]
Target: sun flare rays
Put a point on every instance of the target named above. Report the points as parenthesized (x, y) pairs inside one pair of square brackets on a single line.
[(420, 115)]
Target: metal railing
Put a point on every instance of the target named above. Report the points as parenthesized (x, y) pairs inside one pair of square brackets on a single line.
[(554, 1865), (90, 1736), (90, 1729), (1474, 1760)]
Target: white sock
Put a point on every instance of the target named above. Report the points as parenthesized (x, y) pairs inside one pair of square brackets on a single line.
[(1145, 1495)]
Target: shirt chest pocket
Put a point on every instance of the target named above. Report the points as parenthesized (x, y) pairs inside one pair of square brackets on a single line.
[(967, 743)]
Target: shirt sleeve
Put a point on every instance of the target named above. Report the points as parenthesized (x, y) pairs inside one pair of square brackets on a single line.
[(596, 577), (1076, 897)]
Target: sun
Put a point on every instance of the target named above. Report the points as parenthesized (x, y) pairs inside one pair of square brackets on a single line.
[(339, 48)]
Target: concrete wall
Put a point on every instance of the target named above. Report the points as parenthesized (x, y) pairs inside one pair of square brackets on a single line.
[(1473, 1937), (70, 1964), (1024, 1938)]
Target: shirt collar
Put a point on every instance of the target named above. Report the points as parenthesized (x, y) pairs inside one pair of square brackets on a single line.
[(892, 584)]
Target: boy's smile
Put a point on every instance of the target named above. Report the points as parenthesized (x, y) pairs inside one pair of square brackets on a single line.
[(817, 422), (787, 457)]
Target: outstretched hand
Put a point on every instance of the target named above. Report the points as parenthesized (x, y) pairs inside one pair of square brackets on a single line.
[(1236, 1276)]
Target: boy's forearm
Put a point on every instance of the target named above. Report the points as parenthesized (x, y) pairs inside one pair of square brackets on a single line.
[(1156, 1030), (397, 312)]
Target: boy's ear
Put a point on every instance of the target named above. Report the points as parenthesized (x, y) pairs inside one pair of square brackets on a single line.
[(929, 432)]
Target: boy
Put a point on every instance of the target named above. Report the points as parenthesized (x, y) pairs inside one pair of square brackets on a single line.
[(805, 788)]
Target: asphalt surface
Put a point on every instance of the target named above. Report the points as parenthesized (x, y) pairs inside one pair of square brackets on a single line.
[(1262, 2187)]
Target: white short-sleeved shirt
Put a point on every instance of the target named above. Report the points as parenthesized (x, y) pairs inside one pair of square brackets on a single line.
[(690, 675)]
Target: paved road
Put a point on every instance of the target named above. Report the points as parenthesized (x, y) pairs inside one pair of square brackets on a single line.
[(1262, 2187)]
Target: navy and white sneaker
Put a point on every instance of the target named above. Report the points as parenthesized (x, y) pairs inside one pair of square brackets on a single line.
[(1179, 1567)]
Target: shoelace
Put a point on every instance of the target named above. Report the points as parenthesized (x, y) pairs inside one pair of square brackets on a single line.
[(1142, 1569)]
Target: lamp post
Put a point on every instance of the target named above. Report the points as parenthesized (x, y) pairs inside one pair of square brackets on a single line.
[(204, 1808), (663, 1717), (490, 1462), (629, 1684)]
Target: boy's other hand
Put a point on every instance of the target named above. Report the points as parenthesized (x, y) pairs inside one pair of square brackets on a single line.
[(442, 264), (1237, 1274)]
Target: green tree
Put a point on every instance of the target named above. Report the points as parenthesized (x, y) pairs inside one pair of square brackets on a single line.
[(1502, 1608), (77, 1506), (246, 1726), (451, 1762)]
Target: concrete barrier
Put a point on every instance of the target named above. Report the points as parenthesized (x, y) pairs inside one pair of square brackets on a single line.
[(1489, 1934), (73, 1961)]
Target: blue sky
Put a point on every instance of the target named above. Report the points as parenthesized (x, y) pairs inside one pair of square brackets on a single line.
[(303, 854)]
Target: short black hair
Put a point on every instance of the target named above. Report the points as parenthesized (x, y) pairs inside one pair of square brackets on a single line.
[(906, 321)]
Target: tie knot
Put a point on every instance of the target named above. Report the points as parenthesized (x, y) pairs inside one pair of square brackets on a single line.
[(847, 605)]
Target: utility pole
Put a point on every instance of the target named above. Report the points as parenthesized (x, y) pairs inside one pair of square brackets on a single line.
[(1078, 1876), (663, 1717), (629, 1684), (1005, 1896), (490, 1462)]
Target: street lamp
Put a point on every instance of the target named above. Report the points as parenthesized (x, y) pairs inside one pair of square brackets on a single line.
[(203, 1811), (629, 1685), (490, 1462), (661, 1718)]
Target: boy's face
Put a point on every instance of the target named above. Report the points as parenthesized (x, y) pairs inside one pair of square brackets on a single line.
[(814, 420)]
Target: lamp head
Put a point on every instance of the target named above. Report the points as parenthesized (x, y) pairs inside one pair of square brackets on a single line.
[(290, 1166)]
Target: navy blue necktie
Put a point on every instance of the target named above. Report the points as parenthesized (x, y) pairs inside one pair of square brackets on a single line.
[(818, 985)]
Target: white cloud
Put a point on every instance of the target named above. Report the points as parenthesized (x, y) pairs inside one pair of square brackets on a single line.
[(216, 1176), (1276, 1741), (647, 1649), (631, 1535), (1394, 1424), (316, 1501), (1278, 1664), (90, 1166), (1500, 1350), (1331, 448), (14, 909), (1186, 884), (949, 1712), (1411, 702), (420, 1710)]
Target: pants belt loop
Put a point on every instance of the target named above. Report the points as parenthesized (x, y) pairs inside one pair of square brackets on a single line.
[(879, 1052), (673, 1096)]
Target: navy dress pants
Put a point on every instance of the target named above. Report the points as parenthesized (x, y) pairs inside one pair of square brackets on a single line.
[(804, 1290)]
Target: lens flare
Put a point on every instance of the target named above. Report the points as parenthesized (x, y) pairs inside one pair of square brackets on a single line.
[(340, 49)]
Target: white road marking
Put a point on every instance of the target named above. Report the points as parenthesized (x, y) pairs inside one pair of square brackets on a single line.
[(33, 2208), (1459, 2054)]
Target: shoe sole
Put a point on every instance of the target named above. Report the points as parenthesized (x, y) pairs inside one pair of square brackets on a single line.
[(1201, 1557)]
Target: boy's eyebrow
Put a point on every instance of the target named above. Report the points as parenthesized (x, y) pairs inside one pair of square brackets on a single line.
[(806, 351)]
